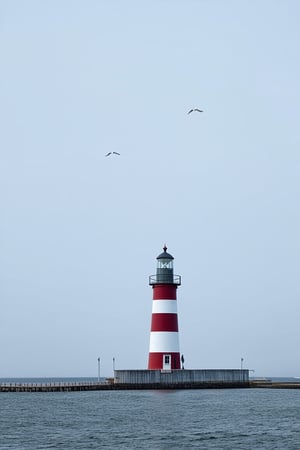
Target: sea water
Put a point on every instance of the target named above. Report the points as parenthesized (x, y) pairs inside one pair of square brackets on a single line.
[(203, 419)]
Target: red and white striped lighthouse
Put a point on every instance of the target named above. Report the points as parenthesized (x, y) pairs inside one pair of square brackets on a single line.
[(164, 339)]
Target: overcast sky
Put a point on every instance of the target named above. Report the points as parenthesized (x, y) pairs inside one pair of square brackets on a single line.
[(80, 233)]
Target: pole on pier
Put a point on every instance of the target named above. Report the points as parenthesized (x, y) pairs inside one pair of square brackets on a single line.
[(98, 369)]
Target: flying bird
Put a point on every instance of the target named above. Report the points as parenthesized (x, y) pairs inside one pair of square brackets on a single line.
[(112, 153), (195, 109)]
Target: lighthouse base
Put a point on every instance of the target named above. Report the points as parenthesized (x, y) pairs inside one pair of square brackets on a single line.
[(185, 379)]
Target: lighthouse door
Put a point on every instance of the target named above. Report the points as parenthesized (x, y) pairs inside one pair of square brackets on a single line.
[(167, 362)]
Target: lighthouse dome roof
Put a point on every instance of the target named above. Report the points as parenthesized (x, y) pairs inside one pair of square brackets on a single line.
[(165, 255)]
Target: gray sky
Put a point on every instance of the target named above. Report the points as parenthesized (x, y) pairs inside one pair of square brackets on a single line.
[(79, 233)]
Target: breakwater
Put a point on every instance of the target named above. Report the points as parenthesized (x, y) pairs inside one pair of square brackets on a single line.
[(54, 386), (269, 384), (94, 386), (111, 386)]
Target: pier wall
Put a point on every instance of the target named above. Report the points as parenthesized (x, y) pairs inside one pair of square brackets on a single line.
[(181, 377)]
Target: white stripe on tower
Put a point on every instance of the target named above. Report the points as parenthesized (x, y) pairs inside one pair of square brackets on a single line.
[(164, 306), (163, 342)]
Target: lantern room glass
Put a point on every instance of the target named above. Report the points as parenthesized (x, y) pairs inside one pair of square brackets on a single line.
[(165, 263)]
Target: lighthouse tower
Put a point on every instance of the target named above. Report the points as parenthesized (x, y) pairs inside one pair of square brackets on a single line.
[(164, 340)]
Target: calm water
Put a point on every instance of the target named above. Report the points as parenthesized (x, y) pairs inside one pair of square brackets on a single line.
[(203, 419)]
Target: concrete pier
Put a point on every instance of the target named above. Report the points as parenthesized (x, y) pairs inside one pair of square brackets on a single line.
[(206, 377), (111, 385), (54, 387), (269, 384), (73, 387)]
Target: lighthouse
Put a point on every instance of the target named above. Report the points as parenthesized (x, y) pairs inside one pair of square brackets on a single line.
[(164, 371), (164, 339)]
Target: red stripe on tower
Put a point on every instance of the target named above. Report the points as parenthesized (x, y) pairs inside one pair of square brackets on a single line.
[(164, 292), (164, 322), (164, 340)]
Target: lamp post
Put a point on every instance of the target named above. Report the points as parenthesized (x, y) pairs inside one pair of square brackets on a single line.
[(242, 361), (114, 361), (98, 369)]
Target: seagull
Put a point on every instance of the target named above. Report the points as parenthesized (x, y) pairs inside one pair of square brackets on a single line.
[(195, 109), (112, 153)]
